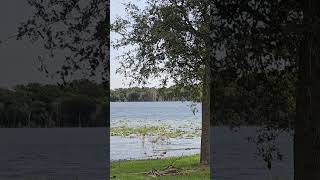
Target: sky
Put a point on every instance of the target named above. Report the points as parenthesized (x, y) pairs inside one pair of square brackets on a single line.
[(19, 59), (117, 9), (118, 80)]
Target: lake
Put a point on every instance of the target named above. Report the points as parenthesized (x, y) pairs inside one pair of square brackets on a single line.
[(66, 153), (234, 158), (184, 116), (152, 113), (59, 153)]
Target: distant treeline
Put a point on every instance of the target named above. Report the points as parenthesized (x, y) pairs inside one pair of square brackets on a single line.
[(135, 94), (78, 103), (254, 99)]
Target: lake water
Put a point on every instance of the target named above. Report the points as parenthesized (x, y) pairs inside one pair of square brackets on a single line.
[(58, 153), (66, 153), (234, 158), (184, 116), (152, 113)]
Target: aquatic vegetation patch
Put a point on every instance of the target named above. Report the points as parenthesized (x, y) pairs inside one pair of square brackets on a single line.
[(164, 131)]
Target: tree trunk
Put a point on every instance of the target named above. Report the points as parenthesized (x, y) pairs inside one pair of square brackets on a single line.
[(207, 102), (210, 61), (210, 95), (307, 124), (205, 134)]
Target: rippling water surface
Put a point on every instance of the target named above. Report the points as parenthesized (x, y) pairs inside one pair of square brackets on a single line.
[(178, 115), (61, 153)]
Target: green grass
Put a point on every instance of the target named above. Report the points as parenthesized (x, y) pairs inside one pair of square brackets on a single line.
[(186, 167)]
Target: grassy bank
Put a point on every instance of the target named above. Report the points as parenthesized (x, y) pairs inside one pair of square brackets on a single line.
[(186, 167)]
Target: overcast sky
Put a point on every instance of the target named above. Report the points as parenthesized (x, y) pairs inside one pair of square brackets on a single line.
[(118, 10), (19, 59), (118, 80)]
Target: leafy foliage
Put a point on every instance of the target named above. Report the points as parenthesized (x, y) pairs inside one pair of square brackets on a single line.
[(164, 45), (77, 29)]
